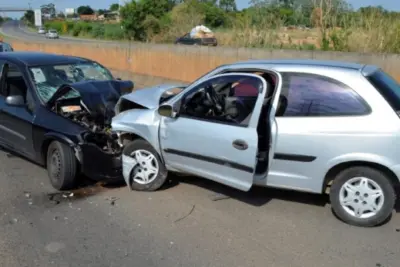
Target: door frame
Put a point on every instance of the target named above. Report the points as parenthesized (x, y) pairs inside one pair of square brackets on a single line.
[(26, 151), (246, 179)]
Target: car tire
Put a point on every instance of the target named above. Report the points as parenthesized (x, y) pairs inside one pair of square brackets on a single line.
[(365, 189), (141, 178), (62, 166)]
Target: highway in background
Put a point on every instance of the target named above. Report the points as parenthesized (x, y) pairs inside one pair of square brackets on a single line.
[(18, 30), (187, 224)]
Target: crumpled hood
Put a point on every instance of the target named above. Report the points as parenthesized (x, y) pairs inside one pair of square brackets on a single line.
[(150, 97), (99, 97)]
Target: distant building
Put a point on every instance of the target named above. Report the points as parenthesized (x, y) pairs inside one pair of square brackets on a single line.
[(88, 17), (69, 11)]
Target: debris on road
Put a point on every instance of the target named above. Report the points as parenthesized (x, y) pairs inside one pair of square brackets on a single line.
[(112, 200), (184, 217), (27, 194), (219, 196)]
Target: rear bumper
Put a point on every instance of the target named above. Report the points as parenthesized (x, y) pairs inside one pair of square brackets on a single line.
[(100, 166)]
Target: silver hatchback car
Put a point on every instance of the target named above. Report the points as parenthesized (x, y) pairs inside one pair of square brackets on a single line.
[(314, 126)]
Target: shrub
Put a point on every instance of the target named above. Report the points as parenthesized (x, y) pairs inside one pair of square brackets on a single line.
[(113, 32), (98, 31)]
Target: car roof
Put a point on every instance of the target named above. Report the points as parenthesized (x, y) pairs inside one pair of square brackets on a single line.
[(305, 63), (39, 58)]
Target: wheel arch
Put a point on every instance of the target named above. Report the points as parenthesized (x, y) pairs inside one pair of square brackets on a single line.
[(49, 138), (126, 137), (335, 170)]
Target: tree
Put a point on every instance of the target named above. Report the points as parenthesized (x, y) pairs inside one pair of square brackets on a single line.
[(114, 7), (137, 16), (61, 15), (102, 11), (227, 5), (85, 10), (48, 10), (29, 17)]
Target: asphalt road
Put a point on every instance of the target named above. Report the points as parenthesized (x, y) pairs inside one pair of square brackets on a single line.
[(186, 224)]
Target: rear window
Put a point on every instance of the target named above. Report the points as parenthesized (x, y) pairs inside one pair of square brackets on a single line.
[(387, 86)]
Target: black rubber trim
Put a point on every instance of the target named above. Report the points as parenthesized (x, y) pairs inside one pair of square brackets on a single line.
[(226, 163), (294, 157)]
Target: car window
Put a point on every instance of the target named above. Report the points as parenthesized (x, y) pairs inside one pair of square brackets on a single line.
[(388, 87), (49, 78), (2, 90), (6, 47), (228, 105), (315, 95), (14, 83)]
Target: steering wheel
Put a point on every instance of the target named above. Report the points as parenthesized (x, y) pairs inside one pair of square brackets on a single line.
[(237, 112), (212, 96)]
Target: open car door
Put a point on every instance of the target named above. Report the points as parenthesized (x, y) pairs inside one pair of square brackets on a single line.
[(216, 150)]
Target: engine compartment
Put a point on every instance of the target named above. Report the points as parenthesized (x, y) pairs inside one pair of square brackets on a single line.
[(98, 124)]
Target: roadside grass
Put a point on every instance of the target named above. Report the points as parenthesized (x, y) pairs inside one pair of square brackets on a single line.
[(365, 34)]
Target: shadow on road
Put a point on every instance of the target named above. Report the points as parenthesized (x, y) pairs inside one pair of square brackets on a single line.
[(258, 196)]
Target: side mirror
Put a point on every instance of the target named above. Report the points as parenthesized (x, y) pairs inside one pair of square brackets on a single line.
[(166, 111), (118, 79), (15, 100)]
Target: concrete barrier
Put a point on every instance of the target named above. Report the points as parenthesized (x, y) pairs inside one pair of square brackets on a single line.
[(186, 63)]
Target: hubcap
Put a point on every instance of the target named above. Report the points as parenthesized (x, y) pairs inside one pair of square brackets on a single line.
[(55, 164), (146, 169), (361, 197)]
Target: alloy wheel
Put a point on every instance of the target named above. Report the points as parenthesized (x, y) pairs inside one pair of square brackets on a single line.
[(146, 169), (361, 197)]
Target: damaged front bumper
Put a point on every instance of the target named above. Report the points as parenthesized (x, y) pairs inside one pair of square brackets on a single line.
[(100, 165), (128, 163)]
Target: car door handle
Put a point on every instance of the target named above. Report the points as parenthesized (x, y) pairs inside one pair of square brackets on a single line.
[(240, 144)]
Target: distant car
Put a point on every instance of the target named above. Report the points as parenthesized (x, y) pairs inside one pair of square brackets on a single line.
[(42, 30), (52, 34), (323, 127), (5, 47), (56, 110), (188, 40)]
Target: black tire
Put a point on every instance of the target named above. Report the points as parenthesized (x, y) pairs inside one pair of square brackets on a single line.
[(161, 177), (378, 177), (62, 166)]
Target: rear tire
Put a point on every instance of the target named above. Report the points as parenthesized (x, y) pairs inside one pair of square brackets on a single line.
[(150, 173), (362, 196), (61, 166)]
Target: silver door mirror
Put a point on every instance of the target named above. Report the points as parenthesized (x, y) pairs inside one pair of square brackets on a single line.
[(166, 111)]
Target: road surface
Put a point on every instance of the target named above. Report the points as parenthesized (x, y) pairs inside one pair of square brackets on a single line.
[(187, 224)]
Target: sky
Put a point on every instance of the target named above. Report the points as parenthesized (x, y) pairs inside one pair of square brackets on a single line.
[(98, 4)]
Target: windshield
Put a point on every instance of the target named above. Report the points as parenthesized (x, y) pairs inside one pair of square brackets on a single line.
[(49, 78), (52, 31), (388, 87)]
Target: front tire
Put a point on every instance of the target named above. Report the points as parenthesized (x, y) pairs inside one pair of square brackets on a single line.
[(149, 173), (362, 196), (61, 166)]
